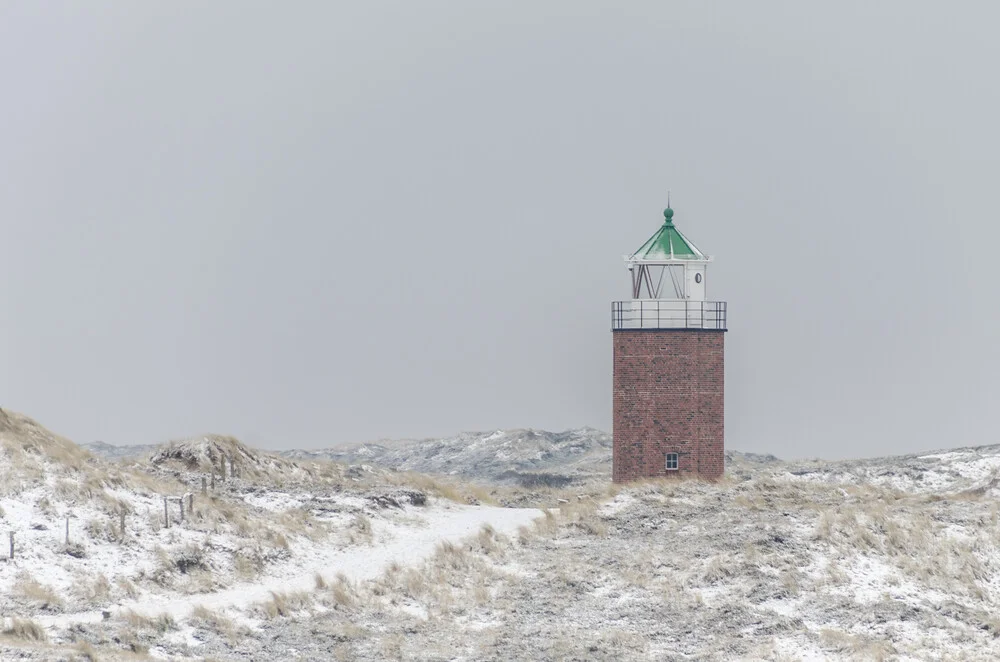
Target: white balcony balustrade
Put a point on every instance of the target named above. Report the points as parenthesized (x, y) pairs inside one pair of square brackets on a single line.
[(668, 314)]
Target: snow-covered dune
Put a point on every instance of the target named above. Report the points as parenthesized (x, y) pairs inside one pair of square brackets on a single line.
[(298, 558)]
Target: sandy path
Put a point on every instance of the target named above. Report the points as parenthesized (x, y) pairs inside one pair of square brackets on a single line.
[(406, 545)]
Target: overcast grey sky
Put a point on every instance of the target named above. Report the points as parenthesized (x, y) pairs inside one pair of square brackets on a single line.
[(307, 223)]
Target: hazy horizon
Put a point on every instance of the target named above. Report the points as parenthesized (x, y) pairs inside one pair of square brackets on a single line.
[(324, 223), (396, 442)]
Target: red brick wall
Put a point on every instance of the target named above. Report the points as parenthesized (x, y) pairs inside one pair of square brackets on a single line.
[(668, 398)]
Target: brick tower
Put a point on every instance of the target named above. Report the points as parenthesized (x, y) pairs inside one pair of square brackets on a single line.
[(668, 364)]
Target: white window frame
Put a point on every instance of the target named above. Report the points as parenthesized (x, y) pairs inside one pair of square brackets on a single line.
[(676, 458)]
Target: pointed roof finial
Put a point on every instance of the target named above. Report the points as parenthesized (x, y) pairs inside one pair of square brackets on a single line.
[(668, 213)]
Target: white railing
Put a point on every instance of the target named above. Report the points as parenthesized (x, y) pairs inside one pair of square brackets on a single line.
[(668, 314)]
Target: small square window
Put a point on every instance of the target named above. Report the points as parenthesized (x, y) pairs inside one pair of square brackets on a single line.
[(671, 461)]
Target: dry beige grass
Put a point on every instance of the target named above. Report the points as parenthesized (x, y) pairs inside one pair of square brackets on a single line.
[(583, 513), (92, 590), (154, 521), (26, 629), (220, 515), (392, 647), (719, 568), (198, 582), (37, 594), (488, 540), (857, 647), (175, 563), (85, 651), (546, 525), (343, 593), (456, 577), (451, 556), (247, 563), (299, 521), (22, 436), (446, 488), (127, 588), (898, 529), (285, 604), (621, 641), (156, 624), (360, 530), (104, 530), (201, 616), (44, 506)]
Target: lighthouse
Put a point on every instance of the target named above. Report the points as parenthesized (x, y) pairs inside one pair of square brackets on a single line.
[(669, 342)]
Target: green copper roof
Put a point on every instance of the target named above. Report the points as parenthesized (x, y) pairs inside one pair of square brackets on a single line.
[(668, 244)]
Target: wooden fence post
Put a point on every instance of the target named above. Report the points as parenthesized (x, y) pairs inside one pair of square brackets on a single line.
[(190, 503), (213, 479), (202, 484), (181, 504), (166, 513), (222, 468), (232, 466)]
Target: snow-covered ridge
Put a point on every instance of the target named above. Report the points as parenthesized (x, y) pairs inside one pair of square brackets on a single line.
[(935, 472), (205, 522), (520, 456), (532, 458)]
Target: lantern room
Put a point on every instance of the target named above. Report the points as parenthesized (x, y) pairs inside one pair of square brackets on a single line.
[(669, 284)]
